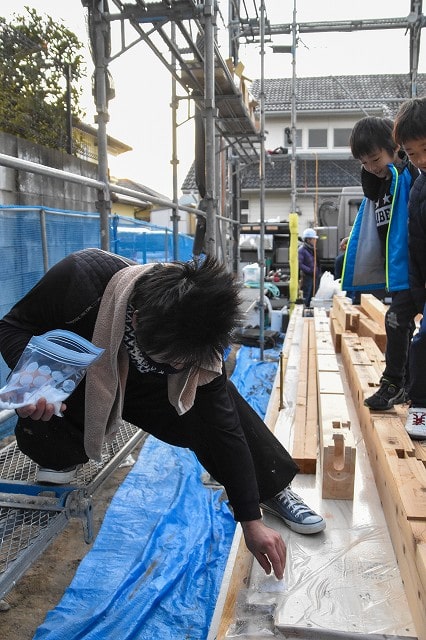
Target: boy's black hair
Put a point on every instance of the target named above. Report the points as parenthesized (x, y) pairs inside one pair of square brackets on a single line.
[(372, 134), (186, 310), (410, 121)]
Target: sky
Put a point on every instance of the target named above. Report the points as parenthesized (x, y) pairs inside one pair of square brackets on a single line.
[(140, 114)]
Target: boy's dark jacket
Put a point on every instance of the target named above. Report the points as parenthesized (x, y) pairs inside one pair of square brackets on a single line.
[(364, 267), (416, 240)]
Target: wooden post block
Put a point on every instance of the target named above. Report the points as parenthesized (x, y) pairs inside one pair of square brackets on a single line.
[(338, 451), (342, 310), (338, 467), (370, 328), (336, 331), (374, 307)]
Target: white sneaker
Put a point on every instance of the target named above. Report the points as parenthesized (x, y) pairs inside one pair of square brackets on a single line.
[(63, 476), (416, 423)]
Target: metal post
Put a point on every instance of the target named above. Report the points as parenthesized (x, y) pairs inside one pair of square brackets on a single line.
[(174, 160), (101, 64), (235, 177), (293, 177), (210, 117), (68, 76), (262, 183)]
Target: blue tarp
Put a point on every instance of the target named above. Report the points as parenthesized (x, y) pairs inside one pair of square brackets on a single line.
[(156, 566), (254, 377)]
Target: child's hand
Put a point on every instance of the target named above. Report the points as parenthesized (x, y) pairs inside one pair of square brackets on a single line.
[(42, 410)]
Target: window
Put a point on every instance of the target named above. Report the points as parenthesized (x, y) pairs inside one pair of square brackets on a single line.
[(287, 137), (341, 137), (318, 138)]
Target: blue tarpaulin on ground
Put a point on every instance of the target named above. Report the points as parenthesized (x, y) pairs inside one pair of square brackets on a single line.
[(156, 566), (254, 377)]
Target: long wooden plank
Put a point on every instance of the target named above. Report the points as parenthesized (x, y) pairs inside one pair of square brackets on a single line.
[(305, 436), (311, 440), (337, 447)]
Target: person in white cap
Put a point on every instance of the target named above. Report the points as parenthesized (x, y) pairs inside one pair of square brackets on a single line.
[(308, 265)]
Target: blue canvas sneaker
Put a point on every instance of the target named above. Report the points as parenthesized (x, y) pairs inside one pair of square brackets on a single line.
[(290, 507)]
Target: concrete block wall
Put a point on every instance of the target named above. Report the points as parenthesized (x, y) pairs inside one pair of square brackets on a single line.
[(25, 188)]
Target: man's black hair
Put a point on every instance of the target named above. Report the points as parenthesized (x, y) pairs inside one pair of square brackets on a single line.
[(410, 121), (372, 134), (186, 310)]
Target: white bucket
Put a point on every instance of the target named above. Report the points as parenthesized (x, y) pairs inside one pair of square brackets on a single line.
[(276, 320), (251, 273)]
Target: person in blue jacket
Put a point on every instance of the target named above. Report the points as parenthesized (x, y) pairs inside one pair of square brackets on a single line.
[(377, 250), (410, 131)]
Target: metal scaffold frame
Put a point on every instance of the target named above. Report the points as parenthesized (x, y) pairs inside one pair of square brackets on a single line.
[(232, 138)]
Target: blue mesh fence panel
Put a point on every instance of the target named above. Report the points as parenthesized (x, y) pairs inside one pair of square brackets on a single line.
[(23, 255)]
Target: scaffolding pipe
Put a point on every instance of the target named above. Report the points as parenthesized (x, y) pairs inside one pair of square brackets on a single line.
[(142, 196), (262, 184), (101, 68), (293, 178), (175, 161), (209, 119)]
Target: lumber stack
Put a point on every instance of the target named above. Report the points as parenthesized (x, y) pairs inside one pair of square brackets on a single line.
[(398, 463), (365, 320)]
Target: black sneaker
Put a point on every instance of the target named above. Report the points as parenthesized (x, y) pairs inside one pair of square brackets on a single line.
[(386, 396)]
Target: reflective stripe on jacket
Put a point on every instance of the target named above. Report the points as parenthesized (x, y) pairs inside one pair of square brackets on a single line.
[(364, 267)]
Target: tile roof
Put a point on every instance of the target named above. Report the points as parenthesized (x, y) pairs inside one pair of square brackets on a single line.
[(331, 93), (330, 173)]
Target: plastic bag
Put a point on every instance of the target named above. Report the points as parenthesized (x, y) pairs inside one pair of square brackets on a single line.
[(51, 366), (327, 287)]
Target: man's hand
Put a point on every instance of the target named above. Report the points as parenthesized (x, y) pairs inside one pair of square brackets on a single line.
[(43, 410), (266, 545)]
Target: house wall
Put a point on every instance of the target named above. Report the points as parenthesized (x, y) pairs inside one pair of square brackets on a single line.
[(278, 206), (278, 203), (162, 218), (277, 124)]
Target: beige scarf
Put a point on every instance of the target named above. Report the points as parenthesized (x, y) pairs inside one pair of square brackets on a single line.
[(106, 378)]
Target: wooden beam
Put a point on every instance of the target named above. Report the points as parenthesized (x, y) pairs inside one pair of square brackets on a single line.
[(337, 446), (370, 328), (374, 307), (305, 438), (400, 477)]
